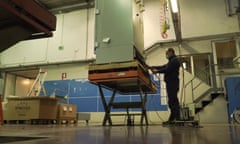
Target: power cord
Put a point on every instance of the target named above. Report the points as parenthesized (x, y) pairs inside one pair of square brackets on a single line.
[(152, 102)]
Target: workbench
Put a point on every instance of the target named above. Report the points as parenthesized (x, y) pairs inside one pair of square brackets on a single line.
[(124, 78)]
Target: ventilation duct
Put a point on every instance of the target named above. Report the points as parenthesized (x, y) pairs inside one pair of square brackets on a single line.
[(232, 7)]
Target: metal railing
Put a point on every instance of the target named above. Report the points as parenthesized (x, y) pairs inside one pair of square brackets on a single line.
[(201, 76), (212, 78)]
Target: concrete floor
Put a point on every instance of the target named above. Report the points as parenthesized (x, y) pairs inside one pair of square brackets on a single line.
[(153, 134)]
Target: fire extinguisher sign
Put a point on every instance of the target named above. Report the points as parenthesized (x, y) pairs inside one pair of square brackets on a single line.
[(64, 76)]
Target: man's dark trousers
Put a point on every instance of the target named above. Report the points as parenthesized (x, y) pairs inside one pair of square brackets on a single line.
[(173, 103)]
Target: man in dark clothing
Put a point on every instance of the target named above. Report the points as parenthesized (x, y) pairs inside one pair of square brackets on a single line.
[(171, 73)]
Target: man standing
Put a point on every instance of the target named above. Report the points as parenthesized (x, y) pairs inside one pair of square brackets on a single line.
[(171, 73)]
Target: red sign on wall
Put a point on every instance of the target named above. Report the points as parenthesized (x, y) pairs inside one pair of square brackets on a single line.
[(64, 76)]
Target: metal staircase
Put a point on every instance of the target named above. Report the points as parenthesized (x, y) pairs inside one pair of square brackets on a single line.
[(204, 76), (204, 102), (207, 97)]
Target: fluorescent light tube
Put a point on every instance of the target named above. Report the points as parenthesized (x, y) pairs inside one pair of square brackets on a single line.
[(174, 5)]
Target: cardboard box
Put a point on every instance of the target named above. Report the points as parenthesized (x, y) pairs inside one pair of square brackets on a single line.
[(67, 111), (83, 116), (28, 108)]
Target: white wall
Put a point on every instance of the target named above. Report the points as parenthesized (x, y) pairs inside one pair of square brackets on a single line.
[(198, 18), (152, 28), (216, 112), (10, 84), (74, 71), (23, 85), (206, 17), (72, 41)]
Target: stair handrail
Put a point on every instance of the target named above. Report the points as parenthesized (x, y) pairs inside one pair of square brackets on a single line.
[(213, 86), (193, 88)]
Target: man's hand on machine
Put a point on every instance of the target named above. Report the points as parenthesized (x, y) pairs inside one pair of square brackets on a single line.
[(153, 69)]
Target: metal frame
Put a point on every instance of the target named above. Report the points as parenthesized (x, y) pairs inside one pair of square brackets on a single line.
[(126, 78), (108, 106)]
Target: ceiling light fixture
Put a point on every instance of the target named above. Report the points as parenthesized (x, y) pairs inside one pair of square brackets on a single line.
[(174, 5)]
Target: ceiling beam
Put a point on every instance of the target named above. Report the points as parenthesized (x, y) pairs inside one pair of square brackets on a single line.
[(70, 8)]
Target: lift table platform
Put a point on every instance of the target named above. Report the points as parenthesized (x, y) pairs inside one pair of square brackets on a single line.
[(125, 78)]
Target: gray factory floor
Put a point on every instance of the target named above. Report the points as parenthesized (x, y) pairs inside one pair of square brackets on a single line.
[(96, 134)]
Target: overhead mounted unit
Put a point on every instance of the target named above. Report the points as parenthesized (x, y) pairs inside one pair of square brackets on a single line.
[(21, 20)]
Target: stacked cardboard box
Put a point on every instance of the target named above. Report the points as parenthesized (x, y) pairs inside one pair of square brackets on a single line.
[(31, 108), (67, 112)]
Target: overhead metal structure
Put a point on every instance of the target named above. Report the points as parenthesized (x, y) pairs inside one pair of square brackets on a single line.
[(63, 6), (21, 20)]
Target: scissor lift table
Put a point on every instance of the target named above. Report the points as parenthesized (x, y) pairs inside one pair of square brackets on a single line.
[(125, 78)]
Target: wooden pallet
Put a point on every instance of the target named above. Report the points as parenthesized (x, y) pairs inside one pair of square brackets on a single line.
[(124, 77)]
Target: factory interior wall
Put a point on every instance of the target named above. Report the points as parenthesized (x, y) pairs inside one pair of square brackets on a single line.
[(74, 41), (219, 106), (202, 18), (198, 18)]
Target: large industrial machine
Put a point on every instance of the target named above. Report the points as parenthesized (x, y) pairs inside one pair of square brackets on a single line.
[(119, 30), (120, 66)]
